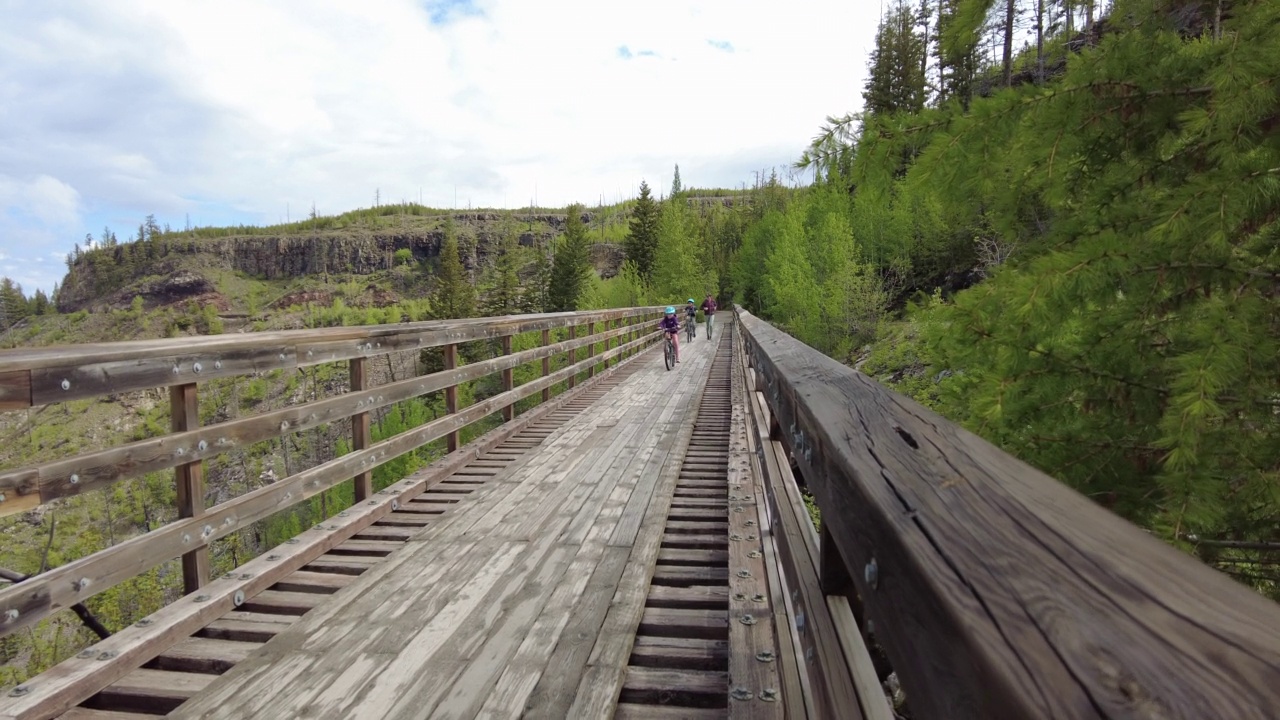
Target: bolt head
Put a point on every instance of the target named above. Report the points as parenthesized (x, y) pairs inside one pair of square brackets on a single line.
[(11, 615), (197, 367), (66, 384), (202, 446), (74, 479)]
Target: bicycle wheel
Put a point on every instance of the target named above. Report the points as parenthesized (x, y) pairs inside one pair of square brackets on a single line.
[(669, 354), (690, 331)]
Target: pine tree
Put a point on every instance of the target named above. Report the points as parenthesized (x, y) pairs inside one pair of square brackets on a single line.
[(642, 236), (572, 264), (896, 81), (13, 304), (454, 295), (676, 187), (504, 296), (39, 303)]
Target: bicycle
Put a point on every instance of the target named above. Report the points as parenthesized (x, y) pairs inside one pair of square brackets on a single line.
[(691, 328), (669, 351)]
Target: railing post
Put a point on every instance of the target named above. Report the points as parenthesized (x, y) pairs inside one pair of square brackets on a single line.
[(184, 409), (573, 356), (508, 380), (546, 365), (451, 394), (591, 349), (361, 432), (608, 342)]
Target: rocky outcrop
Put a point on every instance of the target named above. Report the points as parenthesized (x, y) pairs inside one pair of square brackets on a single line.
[(176, 273)]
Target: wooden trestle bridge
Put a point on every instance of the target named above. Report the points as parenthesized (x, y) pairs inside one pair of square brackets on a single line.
[(633, 544)]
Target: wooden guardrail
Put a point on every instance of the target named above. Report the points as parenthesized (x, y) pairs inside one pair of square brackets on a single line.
[(995, 590), (48, 375)]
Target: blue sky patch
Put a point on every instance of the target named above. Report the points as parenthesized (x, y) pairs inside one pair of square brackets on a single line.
[(724, 45), (624, 52), (443, 12)]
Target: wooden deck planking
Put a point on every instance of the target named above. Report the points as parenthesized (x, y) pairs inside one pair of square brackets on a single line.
[(489, 589), (598, 690)]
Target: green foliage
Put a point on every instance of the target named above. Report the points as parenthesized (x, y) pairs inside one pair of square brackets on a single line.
[(682, 265), (403, 256), (641, 244), (454, 295), (504, 296), (896, 81), (571, 265)]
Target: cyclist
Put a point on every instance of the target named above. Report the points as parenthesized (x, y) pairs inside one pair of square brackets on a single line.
[(709, 312), (670, 324), (691, 316)]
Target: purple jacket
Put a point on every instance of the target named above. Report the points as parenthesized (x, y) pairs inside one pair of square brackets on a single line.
[(669, 323)]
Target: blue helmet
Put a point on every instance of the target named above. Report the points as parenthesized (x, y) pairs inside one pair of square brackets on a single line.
[(671, 310), (690, 299)]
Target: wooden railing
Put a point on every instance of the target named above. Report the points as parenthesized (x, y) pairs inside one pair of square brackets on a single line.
[(995, 590), (36, 377)]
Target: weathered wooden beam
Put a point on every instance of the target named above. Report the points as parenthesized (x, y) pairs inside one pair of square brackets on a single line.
[(997, 591), (451, 394), (508, 380), (15, 390), (573, 355), (184, 414), (62, 373), (361, 428), (61, 587), (74, 680), (591, 349), (24, 488), (546, 365)]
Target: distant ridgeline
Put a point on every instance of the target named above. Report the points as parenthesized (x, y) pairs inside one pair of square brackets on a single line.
[(164, 267)]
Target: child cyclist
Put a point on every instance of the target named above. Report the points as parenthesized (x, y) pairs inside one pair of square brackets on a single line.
[(691, 316), (670, 324)]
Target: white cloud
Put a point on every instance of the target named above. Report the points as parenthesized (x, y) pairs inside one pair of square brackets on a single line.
[(239, 108)]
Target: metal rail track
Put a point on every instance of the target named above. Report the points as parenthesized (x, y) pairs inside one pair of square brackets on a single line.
[(164, 683), (680, 661)]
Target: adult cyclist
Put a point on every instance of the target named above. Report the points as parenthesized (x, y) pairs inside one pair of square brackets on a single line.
[(670, 324), (691, 316), (709, 312)]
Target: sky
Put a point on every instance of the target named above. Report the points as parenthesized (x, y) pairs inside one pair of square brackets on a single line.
[(253, 111)]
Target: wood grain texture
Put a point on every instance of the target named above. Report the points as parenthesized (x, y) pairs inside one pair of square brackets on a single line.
[(72, 681), (68, 584), (1030, 600), (95, 470), (471, 616), (361, 428), (751, 598), (72, 372), (184, 415)]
